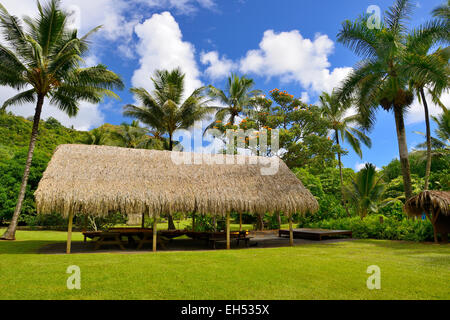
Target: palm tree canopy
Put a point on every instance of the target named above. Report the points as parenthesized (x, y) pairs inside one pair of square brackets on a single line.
[(335, 111), (365, 191), (164, 108), (237, 97), (42, 58), (380, 78)]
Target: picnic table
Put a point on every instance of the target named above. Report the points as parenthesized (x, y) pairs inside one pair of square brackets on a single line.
[(213, 237), (135, 236)]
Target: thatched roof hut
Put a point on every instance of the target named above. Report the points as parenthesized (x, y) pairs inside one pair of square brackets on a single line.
[(97, 180), (436, 206), (429, 201)]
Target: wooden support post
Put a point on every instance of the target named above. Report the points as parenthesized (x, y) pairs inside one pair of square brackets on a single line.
[(69, 233), (291, 232), (240, 221), (155, 231), (143, 221), (228, 231)]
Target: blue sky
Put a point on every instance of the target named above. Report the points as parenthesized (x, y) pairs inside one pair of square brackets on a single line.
[(286, 44)]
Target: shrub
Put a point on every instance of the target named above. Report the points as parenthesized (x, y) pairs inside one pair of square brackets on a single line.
[(378, 227)]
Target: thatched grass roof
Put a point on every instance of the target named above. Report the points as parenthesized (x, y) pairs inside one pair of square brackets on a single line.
[(97, 180), (427, 200)]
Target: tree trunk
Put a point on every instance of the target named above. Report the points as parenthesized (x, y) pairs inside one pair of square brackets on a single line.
[(403, 152), (169, 216), (170, 142), (260, 223), (10, 234), (171, 223), (427, 122), (341, 175), (279, 219)]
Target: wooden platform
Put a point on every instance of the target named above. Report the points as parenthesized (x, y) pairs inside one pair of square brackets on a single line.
[(315, 234)]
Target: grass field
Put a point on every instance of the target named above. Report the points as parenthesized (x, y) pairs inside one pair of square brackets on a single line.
[(319, 271)]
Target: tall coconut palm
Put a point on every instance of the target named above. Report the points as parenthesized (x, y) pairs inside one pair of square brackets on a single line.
[(380, 78), (237, 98), (365, 191), (43, 60), (428, 71), (165, 110), (334, 111)]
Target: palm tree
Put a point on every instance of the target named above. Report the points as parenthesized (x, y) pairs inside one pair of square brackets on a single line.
[(443, 12), (131, 136), (428, 71), (237, 98), (442, 141), (97, 137), (365, 191), (165, 110), (334, 111), (380, 78), (43, 59)]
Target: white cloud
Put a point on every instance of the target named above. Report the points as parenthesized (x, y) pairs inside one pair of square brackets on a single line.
[(292, 57), (416, 113), (305, 97), (161, 46), (218, 67)]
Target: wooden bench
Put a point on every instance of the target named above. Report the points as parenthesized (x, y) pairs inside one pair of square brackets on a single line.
[(142, 235), (315, 234), (222, 236), (101, 238)]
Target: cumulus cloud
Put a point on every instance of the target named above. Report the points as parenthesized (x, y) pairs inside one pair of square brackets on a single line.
[(161, 46), (292, 57), (217, 67)]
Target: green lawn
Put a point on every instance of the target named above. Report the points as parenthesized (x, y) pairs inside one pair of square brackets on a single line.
[(322, 271)]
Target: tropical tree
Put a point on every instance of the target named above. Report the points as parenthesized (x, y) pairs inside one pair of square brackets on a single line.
[(43, 60), (442, 139), (343, 125), (97, 137), (132, 136), (381, 78), (428, 71), (165, 110), (237, 98), (443, 12), (365, 191)]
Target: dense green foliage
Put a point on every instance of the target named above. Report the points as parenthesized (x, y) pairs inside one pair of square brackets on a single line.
[(14, 138), (378, 227)]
